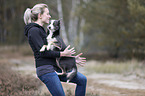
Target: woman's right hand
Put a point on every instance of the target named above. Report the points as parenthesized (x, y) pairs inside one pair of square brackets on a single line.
[(68, 52)]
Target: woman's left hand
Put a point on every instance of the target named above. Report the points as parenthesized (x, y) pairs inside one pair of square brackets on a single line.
[(80, 60)]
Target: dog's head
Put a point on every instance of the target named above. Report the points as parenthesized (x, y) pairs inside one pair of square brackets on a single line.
[(54, 25)]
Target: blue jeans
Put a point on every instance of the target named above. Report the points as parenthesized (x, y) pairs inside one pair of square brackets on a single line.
[(52, 81)]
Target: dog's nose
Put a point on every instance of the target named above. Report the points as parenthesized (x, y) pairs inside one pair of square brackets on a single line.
[(49, 27)]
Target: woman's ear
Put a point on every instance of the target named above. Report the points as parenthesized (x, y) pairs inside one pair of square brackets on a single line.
[(39, 16)]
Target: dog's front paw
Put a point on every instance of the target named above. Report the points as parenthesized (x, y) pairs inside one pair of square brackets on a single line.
[(43, 48), (49, 46)]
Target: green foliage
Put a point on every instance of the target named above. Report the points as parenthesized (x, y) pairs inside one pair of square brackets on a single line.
[(116, 25)]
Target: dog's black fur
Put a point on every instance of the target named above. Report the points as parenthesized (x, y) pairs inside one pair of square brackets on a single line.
[(66, 64)]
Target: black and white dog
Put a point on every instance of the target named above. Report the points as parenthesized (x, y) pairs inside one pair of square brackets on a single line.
[(55, 42), (53, 28)]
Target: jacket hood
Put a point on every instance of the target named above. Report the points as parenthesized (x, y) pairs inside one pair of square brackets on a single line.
[(29, 26)]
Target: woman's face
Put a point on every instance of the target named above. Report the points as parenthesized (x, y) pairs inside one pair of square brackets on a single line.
[(45, 16)]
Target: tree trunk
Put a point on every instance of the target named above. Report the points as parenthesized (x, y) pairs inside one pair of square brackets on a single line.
[(5, 21), (81, 35), (60, 12), (73, 23)]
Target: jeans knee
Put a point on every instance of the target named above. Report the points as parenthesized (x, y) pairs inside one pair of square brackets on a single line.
[(83, 80)]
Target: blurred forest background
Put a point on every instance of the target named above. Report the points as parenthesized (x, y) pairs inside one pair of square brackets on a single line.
[(113, 28), (110, 33)]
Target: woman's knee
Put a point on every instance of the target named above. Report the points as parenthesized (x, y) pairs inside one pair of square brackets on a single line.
[(82, 79)]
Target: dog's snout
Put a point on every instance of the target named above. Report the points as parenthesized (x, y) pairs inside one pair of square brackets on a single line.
[(49, 27)]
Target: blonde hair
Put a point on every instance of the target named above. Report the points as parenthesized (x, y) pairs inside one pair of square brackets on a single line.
[(31, 15)]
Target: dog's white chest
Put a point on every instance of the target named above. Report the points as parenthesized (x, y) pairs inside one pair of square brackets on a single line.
[(51, 42)]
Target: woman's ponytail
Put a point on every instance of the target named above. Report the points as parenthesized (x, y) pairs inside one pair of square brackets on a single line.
[(27, 16)]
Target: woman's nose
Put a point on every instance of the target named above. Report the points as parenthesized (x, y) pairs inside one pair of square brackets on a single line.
[(49, 16)]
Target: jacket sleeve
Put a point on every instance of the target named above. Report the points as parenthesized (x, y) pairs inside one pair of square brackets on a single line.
[(37, 43)]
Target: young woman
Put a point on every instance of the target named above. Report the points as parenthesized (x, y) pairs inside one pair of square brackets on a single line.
[(34, 19)]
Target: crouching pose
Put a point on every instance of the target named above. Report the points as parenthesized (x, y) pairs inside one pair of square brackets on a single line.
[(45, 61), (67, 65)]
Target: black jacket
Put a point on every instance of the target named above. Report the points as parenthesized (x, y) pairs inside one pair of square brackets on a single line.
[(37, 38)]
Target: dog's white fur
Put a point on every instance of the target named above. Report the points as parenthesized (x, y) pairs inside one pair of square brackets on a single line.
[(49, 38)]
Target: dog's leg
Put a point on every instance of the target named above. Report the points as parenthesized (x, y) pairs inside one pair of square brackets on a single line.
[(67, 81), (43, 48), (56, 46), (63, 72), (49, 45), (71, 74), (59, 73)]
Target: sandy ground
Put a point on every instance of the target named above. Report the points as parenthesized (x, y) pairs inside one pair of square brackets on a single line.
[(98, 84)]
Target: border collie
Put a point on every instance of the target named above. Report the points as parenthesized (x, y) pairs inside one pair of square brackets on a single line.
[(67, 65)]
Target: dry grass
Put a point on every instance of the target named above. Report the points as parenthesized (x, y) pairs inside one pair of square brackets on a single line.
[(24, 50), (98, 89), (14, 84), (125, 67)]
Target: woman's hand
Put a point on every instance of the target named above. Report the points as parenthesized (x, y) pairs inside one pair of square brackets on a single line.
[(80, 60), (68, 52)]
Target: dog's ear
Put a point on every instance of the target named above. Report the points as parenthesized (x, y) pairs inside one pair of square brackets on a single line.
[(58, 21)]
